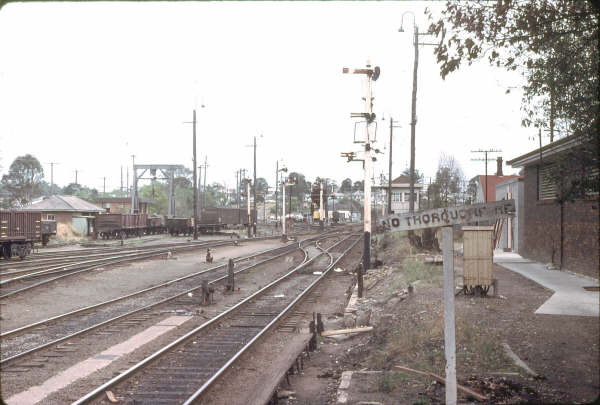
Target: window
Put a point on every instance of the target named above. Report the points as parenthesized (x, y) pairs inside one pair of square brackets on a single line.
[(50, 217), (396, 196), (546, 186)]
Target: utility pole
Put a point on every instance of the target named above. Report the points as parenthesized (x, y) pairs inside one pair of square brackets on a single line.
[(276, 188), (413, 114), (52, 176), (413, 124), (389, 196), (485, 159), (283, 235), (205, 169), (76, 177), (249, 213), (104, 188), (193, 122), (254, 191), (134, 186), (195, 180), (370, 75)]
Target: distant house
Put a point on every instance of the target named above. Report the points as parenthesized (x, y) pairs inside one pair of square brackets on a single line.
[(564, 233), (486, 185), (117, 205), (72, 214), (511, 235), (401, 194)]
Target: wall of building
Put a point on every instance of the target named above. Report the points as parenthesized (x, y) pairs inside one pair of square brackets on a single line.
[(515, 188), (542, 231)]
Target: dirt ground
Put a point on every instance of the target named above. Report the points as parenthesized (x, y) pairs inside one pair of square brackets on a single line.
[(562, 350)]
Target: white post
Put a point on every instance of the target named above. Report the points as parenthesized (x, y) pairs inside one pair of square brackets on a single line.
[(321, 207), (249, 212), (449, 323), (283, 208)]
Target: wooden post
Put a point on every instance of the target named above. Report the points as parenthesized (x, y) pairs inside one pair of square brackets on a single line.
[(359, 279), (449, 323), (230, 276)]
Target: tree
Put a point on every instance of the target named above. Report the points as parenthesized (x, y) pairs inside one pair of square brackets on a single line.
[(418, 175), (555, 44), (445, 191), (23, 179), (346, 186), (358, 186), (301, 188), (262, 188), (472, 191)]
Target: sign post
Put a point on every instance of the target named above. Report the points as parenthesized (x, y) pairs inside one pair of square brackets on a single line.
[(446, 218), (449, 328)]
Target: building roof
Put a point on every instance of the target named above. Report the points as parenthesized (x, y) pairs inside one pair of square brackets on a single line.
[(492, 181), (123, 200), (546, 151), (66, 203)]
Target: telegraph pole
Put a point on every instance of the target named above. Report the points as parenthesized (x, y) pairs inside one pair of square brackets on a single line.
[(276, 188), (389, 196), (76, 177), (52, 176), (104, 187), (413, 124), (254, 190), (205, 169), (195, 180), (485, 159), (413, 114), (249, 213), (134, 186)]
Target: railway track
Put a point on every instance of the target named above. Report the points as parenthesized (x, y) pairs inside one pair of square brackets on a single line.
[(26, 340), (180, 372), (21, 282)]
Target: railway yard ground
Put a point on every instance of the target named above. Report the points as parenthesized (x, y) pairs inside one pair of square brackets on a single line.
[(356, 368), (561, 350)]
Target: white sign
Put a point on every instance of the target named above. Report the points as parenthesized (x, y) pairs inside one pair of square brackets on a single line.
[(463, 214)]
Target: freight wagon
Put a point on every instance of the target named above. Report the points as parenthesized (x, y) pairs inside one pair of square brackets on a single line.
[(211, 220), (19, 230), (120, 225)]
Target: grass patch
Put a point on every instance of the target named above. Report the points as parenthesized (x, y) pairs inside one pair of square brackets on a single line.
[(428, 273), (386, 381)]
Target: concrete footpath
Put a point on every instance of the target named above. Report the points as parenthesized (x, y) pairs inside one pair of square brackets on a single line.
[(569, 296)]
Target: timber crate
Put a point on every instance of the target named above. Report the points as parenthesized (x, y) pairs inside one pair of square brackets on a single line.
[(478, 256)]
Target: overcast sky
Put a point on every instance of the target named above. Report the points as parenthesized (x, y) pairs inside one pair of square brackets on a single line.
[(87, 85)]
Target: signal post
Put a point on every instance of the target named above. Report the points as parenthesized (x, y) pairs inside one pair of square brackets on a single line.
[(371, 74)]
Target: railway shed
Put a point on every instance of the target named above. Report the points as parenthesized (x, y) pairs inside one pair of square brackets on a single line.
[(73, 215)]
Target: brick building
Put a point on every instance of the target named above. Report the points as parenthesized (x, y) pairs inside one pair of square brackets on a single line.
[(119, 205), (73, 215), (565, 233)]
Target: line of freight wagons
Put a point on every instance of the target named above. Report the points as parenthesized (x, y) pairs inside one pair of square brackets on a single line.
[(123, 225)]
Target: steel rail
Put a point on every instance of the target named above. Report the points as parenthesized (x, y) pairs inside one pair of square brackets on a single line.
[(230, 362), (287, 250), (107, 261), (119, 317), (99, 390), (95, 306)]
